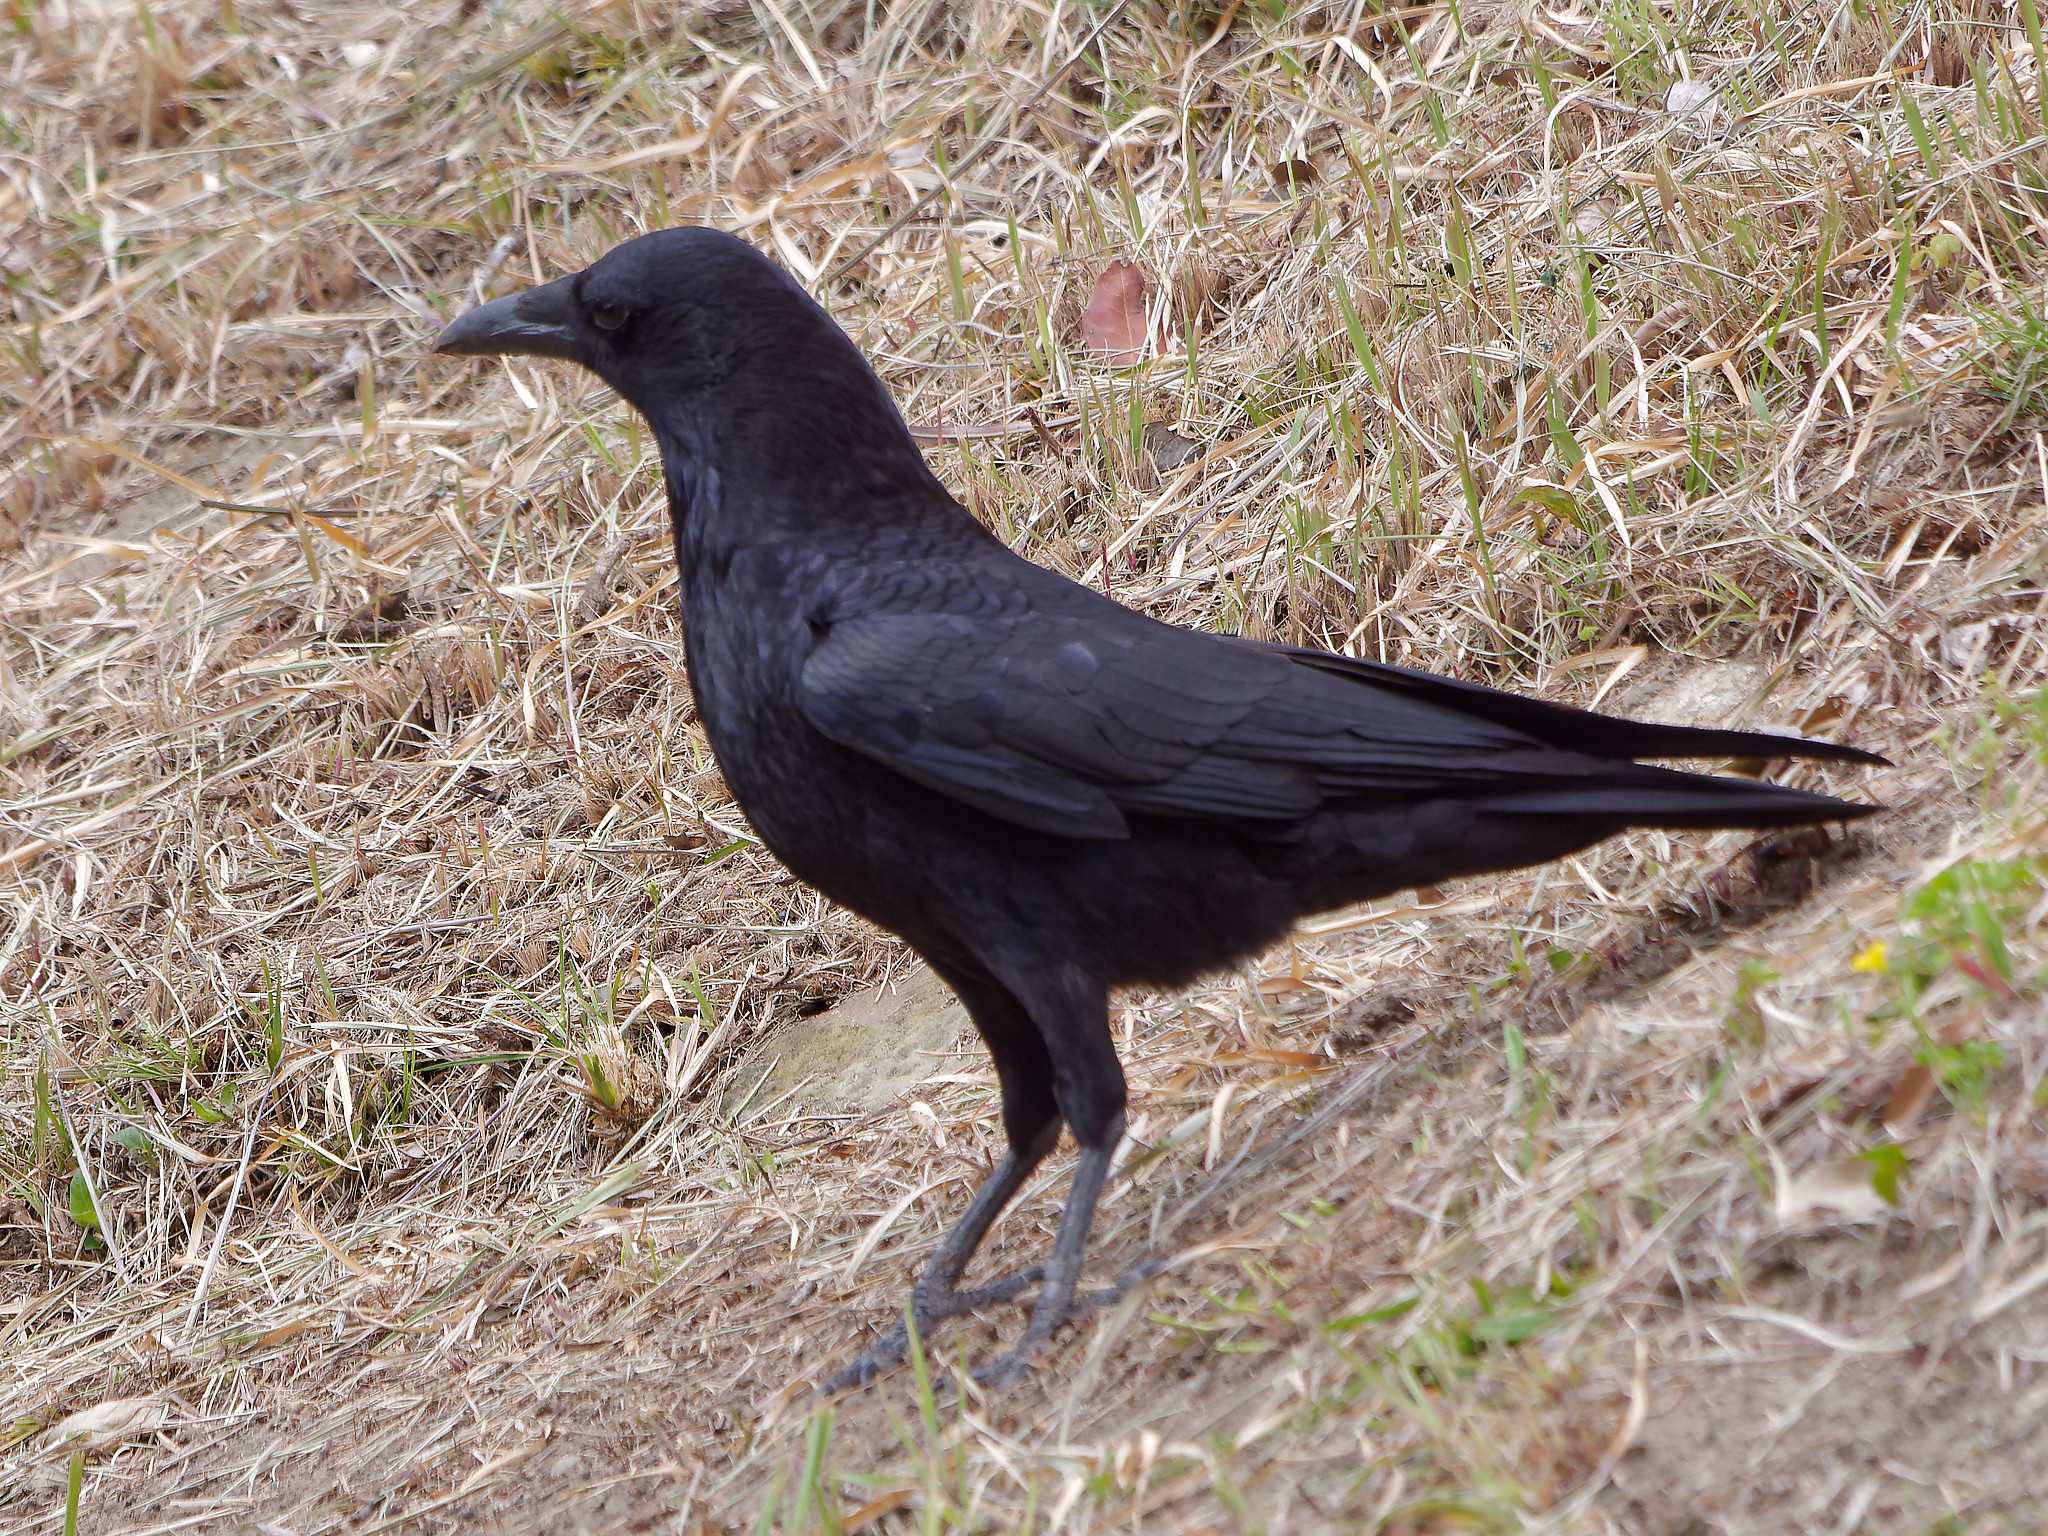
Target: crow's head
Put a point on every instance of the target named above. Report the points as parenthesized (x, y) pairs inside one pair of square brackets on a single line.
[(673, 312), (743, 376)]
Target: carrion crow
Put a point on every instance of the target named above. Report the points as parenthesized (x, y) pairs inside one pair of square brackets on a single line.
[(1045, 793)]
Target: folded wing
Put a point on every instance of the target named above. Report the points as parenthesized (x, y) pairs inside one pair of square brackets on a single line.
[(1069, 723)]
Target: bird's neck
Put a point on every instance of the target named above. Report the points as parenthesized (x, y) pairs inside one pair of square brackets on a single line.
[(747, 464)]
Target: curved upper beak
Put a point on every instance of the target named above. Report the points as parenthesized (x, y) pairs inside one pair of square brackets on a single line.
[(540, 322)]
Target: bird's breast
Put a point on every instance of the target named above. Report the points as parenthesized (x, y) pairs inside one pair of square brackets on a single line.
[(746, 641)]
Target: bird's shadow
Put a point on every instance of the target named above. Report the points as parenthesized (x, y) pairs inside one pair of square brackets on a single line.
[(1765, 877)]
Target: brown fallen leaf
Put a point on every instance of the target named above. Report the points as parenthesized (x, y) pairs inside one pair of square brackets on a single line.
[(872, 1511), (1113, 325), (1273, 1056), (1293, 175), (1909, 1096)]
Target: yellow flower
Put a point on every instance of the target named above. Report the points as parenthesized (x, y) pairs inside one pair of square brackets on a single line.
[(1872, 959)]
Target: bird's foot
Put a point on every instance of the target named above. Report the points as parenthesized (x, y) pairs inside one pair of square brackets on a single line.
[(1003, 1373), (1009, 1369), (1135, 1276), (937, 1307), (930, 1309)]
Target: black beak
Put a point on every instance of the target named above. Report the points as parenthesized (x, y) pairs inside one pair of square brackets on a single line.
[(540, 322)]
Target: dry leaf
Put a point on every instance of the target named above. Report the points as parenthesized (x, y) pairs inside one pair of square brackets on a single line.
[(1293, 175), (115, 1419), (1697, 108), (1687, 96), (1909, 1096), (1113, 325), (1593, 220), (1841, 1184), (872, 1511)]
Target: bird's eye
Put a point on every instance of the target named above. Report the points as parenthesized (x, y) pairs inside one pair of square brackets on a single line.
[(607, 317)]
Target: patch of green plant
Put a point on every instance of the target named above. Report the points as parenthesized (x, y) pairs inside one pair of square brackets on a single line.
[(2014, 359), (1744, 1020), (1960, 922), (1963, 1070), (1961, 919), (2024, 716), (1888, 1163)]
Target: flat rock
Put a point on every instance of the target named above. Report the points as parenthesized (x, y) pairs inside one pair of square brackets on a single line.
[(1709, 693), (858, 1057)]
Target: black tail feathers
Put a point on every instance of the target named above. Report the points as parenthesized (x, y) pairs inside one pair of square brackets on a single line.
[(1642, 796)]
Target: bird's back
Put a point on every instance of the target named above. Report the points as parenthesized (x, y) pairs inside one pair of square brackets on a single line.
[(959, 744)]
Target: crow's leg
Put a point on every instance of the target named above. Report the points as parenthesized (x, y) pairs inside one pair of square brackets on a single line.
[(1031, 1120), (1072, 1014), (1056, 1294), (934, 1298)]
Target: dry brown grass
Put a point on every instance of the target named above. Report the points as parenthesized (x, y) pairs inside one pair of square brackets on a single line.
[(378, 940)]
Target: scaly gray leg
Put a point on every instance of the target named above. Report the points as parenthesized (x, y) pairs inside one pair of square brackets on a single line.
[(933, 1299)]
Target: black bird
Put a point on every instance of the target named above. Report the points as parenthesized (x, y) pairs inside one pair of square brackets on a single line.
[(1044, 793)]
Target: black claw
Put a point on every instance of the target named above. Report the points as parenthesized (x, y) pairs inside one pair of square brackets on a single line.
[(997, 1292), (893, 1347), (1007, 1371), (1001, 1375), (864, 1369), (1127, 1282)]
